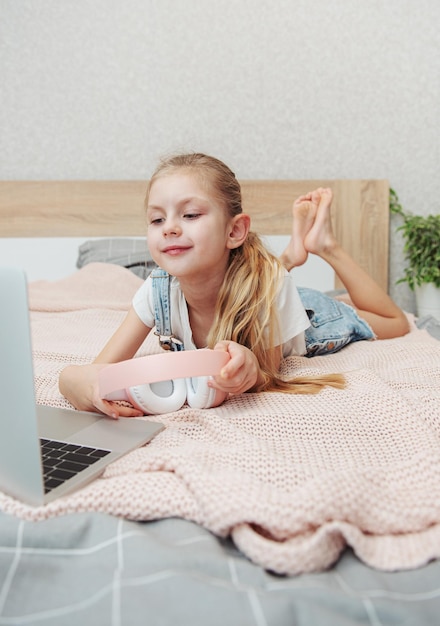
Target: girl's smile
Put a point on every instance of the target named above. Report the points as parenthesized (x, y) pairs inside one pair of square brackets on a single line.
[(175, 250)]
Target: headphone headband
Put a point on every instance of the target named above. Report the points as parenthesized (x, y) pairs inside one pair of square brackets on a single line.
[(159, 367)]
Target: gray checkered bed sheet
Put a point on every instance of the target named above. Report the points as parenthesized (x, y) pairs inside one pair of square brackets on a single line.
[(100, 570)]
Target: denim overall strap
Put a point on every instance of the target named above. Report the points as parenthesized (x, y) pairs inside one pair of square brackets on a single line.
[(162, 311)]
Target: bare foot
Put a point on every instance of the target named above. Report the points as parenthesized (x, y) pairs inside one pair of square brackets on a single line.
[(304, 212), (320, 238)]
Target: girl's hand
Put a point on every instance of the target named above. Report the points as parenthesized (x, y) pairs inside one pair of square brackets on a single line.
[(240, 373), (79, 384)]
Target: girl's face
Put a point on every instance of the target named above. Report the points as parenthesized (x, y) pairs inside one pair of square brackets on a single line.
[(189, 233)]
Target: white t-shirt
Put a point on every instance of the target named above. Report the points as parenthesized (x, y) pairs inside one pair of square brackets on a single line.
[(293, 319)]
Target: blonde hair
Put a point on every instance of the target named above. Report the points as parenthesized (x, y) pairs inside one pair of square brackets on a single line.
[(246, 304)]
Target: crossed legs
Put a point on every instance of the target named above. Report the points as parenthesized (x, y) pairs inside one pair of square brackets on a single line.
[(312, 233)]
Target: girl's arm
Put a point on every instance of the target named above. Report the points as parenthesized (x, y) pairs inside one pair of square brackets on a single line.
[(79, 383), (126, 340)]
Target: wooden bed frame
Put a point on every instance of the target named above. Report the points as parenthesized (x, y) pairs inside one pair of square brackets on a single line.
[(115, 208)]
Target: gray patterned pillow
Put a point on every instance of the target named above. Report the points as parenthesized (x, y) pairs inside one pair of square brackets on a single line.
[(127, 252)]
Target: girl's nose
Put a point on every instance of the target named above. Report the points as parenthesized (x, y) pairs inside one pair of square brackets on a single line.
[(171, 227)]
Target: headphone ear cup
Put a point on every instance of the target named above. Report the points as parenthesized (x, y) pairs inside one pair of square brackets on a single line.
[(156, 398), (200, 396)]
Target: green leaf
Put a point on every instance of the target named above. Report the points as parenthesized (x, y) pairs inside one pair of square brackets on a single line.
[(421, 236)]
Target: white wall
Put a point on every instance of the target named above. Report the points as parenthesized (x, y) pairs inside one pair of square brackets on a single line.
[(286, 89)]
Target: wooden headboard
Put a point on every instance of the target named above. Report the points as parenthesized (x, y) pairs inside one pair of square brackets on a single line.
[(115, 208)]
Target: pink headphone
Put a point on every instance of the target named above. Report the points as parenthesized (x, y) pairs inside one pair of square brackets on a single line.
[(162, 383)]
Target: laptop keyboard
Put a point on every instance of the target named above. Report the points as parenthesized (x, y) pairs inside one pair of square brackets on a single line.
[(62, 461)]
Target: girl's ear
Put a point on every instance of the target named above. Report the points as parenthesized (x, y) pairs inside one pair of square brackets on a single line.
[(240, 226)]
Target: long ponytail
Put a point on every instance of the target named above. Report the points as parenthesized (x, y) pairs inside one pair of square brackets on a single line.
[(246, 313)]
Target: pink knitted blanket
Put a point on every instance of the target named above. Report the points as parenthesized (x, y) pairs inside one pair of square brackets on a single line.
[(293, 479)]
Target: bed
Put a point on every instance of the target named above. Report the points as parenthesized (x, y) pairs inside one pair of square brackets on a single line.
[(268, 510)]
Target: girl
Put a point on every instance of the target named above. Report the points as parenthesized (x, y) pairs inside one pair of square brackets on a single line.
[(229, 293)]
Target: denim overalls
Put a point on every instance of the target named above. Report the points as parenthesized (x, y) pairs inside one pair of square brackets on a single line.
[(334, 324)]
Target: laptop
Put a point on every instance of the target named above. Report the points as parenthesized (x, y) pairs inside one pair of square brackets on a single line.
[(48, 452)]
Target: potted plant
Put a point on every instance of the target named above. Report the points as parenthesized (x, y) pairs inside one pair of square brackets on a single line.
[(421, 234)]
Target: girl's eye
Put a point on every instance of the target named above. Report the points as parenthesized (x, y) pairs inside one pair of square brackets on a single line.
[(156, 220), (191, 216)]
